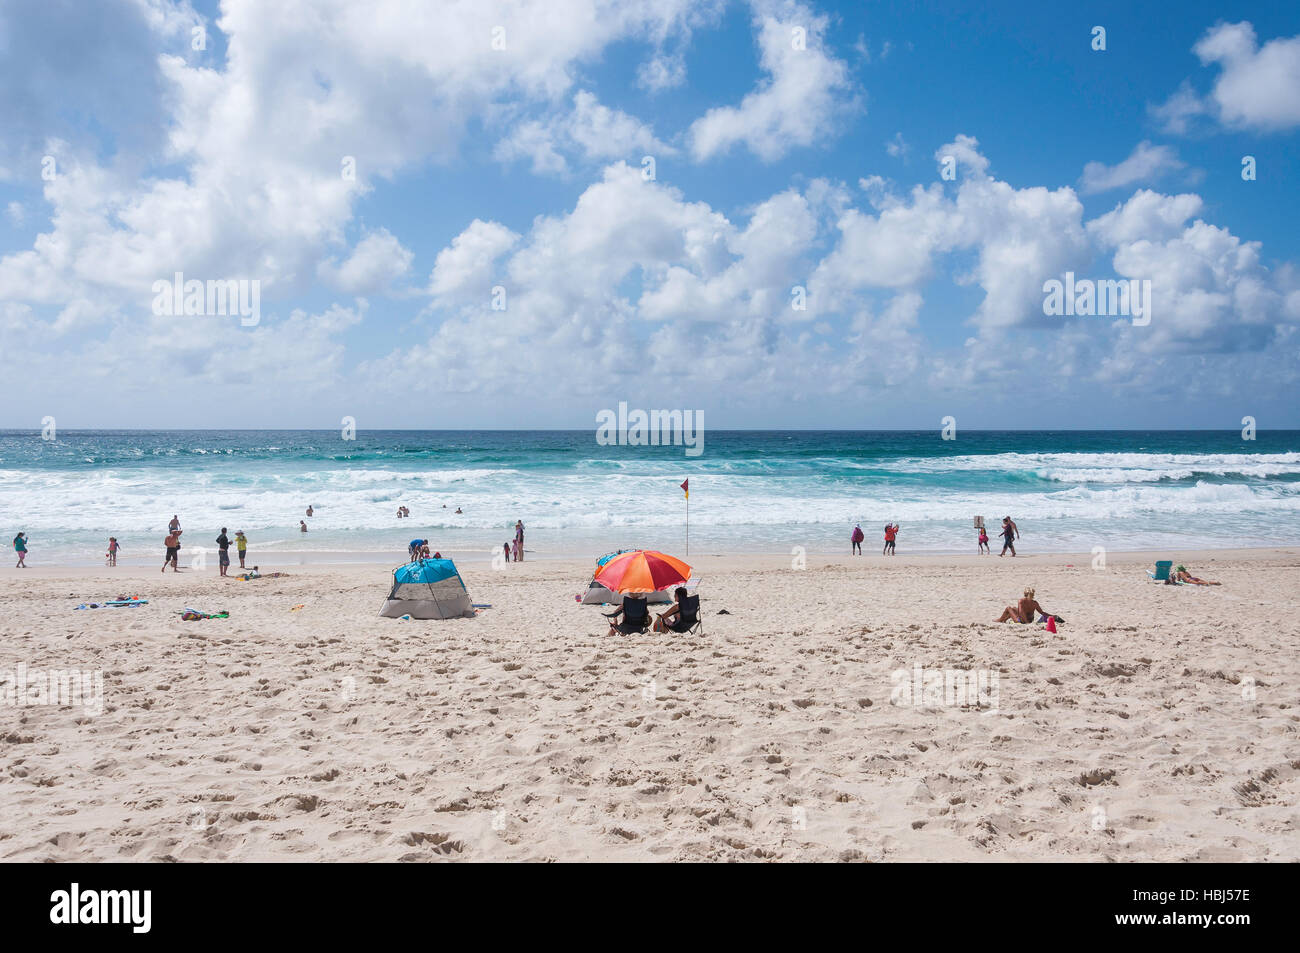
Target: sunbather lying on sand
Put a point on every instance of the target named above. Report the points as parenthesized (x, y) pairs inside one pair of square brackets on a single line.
[(1023, 611), (1181, 574)]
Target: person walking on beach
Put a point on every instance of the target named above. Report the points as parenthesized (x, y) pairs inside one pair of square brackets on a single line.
[(113, 547), (519, 541), (20, 547), (984, 541), (173, 544), (174, 526), (891, 531), (857, 538), (241, 546), (1009, 536), (223, 551)]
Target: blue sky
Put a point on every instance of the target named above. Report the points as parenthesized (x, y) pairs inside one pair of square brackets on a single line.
[(779, 162)]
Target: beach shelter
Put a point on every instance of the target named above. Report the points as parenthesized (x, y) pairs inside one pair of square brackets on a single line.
[(598, 594), (643, 570), (427, 589)]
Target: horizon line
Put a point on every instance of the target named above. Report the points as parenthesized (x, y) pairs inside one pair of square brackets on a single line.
[(38, 430)]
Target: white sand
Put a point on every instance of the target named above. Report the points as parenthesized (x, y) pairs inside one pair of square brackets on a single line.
[(527, 733)]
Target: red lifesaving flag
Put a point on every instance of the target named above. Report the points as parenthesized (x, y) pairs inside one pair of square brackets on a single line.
[(686, 488)]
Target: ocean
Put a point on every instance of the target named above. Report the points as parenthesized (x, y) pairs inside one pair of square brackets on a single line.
[(751, 491)]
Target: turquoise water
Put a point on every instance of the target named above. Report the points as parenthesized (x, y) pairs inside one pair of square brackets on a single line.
[(757, 491)]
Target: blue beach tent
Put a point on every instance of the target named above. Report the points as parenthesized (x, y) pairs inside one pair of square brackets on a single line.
[(427, 589)]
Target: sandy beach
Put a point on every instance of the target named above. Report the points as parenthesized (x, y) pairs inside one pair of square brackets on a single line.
[(1158, 724)]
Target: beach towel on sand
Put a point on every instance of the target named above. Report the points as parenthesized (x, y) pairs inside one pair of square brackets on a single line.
[(114, 603), (194, 615)]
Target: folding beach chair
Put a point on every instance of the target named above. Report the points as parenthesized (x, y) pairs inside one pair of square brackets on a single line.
[(1162, 570), (636, 615), (689, 619)]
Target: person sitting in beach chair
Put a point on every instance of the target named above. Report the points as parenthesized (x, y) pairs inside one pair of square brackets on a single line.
[(683, 616), (1181, 575), (636, 616), (1023, 611)]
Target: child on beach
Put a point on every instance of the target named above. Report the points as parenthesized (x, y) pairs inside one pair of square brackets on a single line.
[(505, 550), (113, 547), (20, 547), (984, 542), (517, 553), (241, 546)]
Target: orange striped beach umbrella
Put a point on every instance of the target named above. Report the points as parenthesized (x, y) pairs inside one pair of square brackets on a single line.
[(643, 570)]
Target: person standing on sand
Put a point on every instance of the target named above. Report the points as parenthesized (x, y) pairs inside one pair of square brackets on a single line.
[(113, 547), (505, 548), (519, 541), (223, 551), (241, 545), (891, 531), (20, 547), (1009, 536), (857, 538), (173, 544)]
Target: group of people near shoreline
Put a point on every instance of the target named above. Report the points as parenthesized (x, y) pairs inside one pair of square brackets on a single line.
[(419, 548), (891, 534), (1010, 533), (172, 542)]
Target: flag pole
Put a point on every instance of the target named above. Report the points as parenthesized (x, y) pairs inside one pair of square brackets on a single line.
[(686, 488)]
